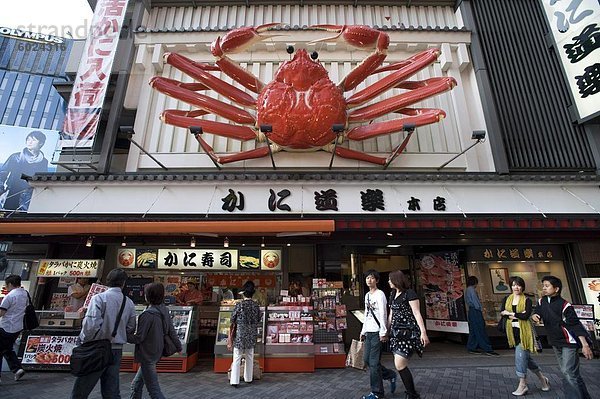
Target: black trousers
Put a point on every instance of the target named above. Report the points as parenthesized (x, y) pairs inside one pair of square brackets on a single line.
[(7, 342)]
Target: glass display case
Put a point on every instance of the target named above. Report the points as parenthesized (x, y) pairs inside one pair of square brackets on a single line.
[(223, 356)]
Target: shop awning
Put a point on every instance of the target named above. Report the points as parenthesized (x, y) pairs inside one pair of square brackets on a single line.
[(237, 227)]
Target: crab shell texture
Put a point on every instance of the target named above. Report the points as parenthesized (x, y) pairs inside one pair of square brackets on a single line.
[(301, 104)]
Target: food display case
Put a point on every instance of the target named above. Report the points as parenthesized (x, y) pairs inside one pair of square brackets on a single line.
[(223, 356), (330, 322), (185, 321), (49, 346), (289, 339)]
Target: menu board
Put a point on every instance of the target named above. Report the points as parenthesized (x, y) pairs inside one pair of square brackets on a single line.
[(47, 350), (181, 322)]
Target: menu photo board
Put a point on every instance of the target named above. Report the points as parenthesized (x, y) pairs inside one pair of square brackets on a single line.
[(68, 267), (49, 349)]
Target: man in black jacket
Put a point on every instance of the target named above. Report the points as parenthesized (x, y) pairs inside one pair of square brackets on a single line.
[(564, 332)]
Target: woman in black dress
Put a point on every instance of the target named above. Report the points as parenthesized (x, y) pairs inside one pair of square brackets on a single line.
[(406, 329)]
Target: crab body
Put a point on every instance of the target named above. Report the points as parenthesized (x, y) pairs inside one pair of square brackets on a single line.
[(299, 109)]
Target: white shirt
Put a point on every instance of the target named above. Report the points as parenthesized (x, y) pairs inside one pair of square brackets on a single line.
[(14, 304), (378, 304)]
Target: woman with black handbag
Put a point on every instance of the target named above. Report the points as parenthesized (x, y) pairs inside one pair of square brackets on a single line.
[(407, 329), (149, 339)]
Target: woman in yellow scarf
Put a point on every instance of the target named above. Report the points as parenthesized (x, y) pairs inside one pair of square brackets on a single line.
[(519, 332)]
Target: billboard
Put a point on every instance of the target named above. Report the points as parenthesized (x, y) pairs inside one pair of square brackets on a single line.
[(25, 151)]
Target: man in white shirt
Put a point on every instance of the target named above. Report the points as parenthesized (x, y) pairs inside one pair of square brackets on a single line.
[(12, 311), (374, 333)]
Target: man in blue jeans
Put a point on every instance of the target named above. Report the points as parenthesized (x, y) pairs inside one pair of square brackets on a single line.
[(477, 335), (564, 333), (374, 333), (99, 322)]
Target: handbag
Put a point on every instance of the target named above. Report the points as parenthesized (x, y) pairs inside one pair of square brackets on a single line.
[(30, 320), (169, 347), (502, 325), (355, 355), (94, 355)]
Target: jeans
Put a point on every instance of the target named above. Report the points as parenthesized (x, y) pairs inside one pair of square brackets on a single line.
[(109, 380), (372, 358), (477, 334), (236, 365), (523, 361), (7, 343), (568, 361), (146, 374)]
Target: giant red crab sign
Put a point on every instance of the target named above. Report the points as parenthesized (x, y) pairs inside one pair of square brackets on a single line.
[(302, 109)]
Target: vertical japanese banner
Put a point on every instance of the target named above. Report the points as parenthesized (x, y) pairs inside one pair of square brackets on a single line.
[(441, 278), (575, 27), (85, 105)]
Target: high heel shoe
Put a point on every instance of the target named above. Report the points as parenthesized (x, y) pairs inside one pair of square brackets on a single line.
[(545, 384), (521, 391)]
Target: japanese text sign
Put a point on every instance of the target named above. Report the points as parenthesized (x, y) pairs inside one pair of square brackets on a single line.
[(91, 83), (575, 26), (198, 259), (49, 349), (68, 267)]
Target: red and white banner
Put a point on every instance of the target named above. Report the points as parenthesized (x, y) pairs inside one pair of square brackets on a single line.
[(85, 105)]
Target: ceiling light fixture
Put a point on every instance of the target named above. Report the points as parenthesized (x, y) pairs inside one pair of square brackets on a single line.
[(193, 242), (226, 242), (124, 242), (89, 241), (262, 244)]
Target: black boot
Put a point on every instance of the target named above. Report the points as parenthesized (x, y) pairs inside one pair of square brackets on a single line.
[(409, 384)]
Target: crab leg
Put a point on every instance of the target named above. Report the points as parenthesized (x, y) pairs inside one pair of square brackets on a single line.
[(421, 90), (406, 69), (186, 119), (235, 41), (418, 116), (206, 103), (250, 154), (362, 37), (192, 69)]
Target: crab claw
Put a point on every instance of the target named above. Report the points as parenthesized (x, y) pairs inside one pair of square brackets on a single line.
[(239, 39), (358, 36)]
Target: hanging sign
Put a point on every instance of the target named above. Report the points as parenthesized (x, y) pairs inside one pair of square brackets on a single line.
[(198, 259)]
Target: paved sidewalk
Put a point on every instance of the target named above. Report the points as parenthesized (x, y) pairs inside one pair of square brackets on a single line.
[(446, 372)]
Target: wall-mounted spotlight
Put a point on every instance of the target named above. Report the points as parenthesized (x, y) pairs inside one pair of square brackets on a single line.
[(269, 129), (195, 130), (478, 135), (288, 244), (226, 242), (124, 242), (128, 132), (89, 242), (193, 242), (262, 244)]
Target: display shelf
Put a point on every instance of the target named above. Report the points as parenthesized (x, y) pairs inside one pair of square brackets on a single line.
[(330, 322)]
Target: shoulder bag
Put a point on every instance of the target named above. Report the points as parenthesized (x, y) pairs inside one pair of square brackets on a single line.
[(502, 325), (169, 347), (30, 320), (93, 356)]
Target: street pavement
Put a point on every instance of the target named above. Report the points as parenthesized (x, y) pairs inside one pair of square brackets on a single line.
[(446, 371)]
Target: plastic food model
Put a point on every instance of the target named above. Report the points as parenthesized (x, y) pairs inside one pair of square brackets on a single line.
[(303, 109)]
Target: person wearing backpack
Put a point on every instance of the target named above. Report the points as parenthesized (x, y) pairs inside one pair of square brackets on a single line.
[(99, 323), (12, 312), (153, 324), (565, 333)]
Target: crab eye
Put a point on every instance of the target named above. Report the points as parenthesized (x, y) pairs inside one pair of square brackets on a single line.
[(314, 55), (290, 49)]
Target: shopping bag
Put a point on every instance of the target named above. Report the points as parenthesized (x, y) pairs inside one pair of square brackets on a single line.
[(256, 370), (355, 355)]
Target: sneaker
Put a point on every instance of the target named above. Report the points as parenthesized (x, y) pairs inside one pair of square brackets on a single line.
[(492, 353), (393, 384), (475, 352), (19, 374), (372, 396)]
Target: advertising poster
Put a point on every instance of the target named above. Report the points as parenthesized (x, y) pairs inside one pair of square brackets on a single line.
[(23, 151), (270, 259), (94, 289), (126, 258), (442, 281), (591, 287), (146, 258), (49, 349)]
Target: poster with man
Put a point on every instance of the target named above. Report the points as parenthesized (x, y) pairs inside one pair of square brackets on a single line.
[(23, 151)]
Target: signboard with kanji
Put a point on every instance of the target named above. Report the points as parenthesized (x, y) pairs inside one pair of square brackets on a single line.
[(89, 88), (575, 27), (68, 267), (198, 259), (49, 349)]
